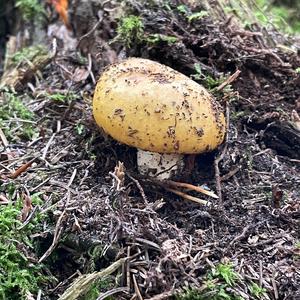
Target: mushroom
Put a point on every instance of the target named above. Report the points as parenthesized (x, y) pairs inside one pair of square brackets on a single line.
[(161, 112)]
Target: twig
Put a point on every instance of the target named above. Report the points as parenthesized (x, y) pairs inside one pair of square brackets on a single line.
[(229, 80), (260, 273), (191, 187), (64, 282), (188, 197), (29, 218), (274, 286), (100, 15), (90, 68), (229, 174), (3, 138), (149, 244), (117, 184), (54, 48), (139, 187), (241, 265), (112, 292), (136, 288), (264, 51), (39, 185), (247, 33), (58, 230), (220, 157), (83, 283), (217, 174), (241, 236), (128, 269), (39, 295), (4, 168), (72, 178), (47, 146), (162, 296)]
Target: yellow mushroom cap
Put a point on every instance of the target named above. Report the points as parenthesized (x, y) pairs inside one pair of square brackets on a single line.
[(150, 106)]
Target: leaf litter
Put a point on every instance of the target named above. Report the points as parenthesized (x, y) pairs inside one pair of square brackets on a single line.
[(102, 211)]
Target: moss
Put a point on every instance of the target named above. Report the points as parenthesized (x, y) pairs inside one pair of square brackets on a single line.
[(215, 286), (283, 17), (16, 120), (208, 81), (19, 277), (30, 9), (157, 38), (256, 290), (100, 286), (64, 98), (27, 54), (130, 31)]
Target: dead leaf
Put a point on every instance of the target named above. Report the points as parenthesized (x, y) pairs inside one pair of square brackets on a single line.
[(295, 119), (27, 207), (22, 169), (61, 6), (3, 199), (80, 74), (277, 196), (253, 239)]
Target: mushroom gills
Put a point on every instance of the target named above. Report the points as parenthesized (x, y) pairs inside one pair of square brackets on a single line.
[(159, 165)]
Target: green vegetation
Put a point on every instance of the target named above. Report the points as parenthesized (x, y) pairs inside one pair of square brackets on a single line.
[(281, 14), (63, 98), (256, 290), (215, 286), (130, 31), (30, 9), (156, 38), (58, 97), (208, 81), (19, 275), (79, 128), (226, 273), (219, 284), (28, 54), (183, 9), (99, 287), (198, 15), (284, 17), (16, 120), (236, 115)]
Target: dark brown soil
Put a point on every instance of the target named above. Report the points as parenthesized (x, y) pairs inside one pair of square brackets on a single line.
[(254, 226)]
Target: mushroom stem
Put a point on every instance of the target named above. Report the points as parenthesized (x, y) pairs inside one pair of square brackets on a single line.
[(162, 166)]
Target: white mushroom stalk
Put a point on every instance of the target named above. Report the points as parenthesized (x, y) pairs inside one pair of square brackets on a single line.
[(161, 166)]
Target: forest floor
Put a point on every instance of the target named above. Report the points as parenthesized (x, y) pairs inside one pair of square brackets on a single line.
[(58, 168)]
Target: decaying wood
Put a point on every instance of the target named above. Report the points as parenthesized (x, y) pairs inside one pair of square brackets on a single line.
[(16, 77), (284, 138), (84, 282)]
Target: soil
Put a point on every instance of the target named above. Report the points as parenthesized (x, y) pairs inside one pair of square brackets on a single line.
[(171, 243)]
